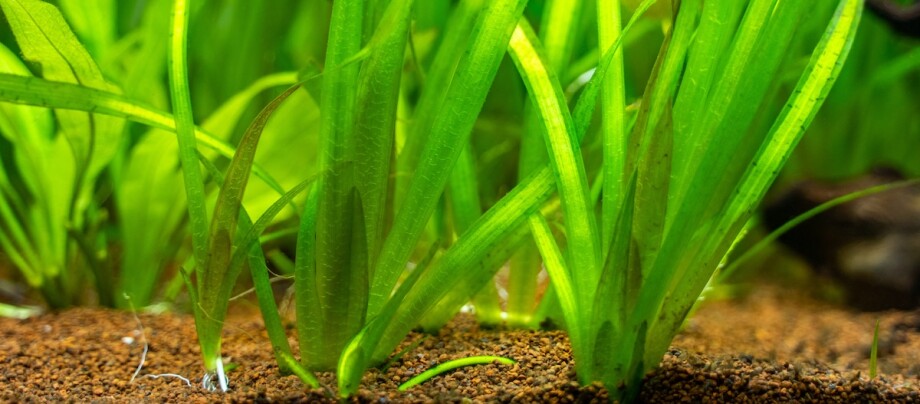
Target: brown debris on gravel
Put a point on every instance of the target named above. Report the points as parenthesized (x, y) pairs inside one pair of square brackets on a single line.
[(744, 379), (774, 345)]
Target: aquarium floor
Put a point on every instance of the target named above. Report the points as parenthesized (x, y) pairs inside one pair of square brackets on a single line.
[(774, 345)]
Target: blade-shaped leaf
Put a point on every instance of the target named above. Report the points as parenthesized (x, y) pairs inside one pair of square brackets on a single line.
[(34, 91), (565, 159), (216, 280), (449, 134)]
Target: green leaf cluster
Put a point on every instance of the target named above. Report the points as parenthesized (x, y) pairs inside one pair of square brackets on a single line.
[(408, 161)]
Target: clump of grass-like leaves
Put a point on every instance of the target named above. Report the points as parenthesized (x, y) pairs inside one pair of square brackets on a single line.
[(676, 219), (410, 102)]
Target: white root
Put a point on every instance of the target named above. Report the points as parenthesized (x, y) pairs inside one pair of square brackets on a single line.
[(143, 335), (187, 382)]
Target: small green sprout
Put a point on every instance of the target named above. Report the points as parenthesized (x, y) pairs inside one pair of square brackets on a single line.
[(451, 365), (873, 354)]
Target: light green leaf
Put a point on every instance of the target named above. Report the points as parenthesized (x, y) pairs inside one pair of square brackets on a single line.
[(449, 134), (47, 41), (451, 365), (34, 91), (565, 159)]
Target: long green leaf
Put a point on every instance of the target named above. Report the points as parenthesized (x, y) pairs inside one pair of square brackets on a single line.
[(873, 353), (558, 34), (449, 134), (563, 281), (759, 47), (304, 375), (223, 120), (341, 267), (150, 200), (34, 91), (686, 216), (565, 159), (456, 33), (742, 49), (306, 300), (585, 106), (270, 315), (613, 111), (779, 231), (621, 278), (650, 153), (229, 202), (252, 234), (375, 123), (208, 330)]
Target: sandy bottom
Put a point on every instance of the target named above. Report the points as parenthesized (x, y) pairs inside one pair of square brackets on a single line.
[(774, 345)]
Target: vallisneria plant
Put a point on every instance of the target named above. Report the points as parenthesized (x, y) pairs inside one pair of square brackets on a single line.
[(376, 153), (617, 346), (53, 163), (122, 228), (146, 183), (671, 232), (675, 221)]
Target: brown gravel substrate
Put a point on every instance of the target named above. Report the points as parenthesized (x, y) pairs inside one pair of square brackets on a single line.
[(773, 346)]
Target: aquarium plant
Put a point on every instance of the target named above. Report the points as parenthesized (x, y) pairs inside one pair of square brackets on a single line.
[(148, 201), (51, 159), (676, 220), (125, 230), (628, 177)]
